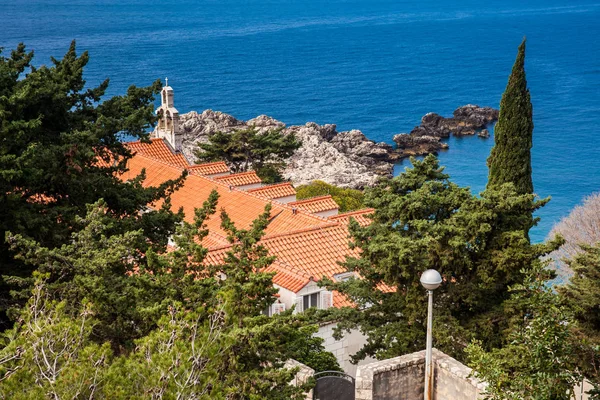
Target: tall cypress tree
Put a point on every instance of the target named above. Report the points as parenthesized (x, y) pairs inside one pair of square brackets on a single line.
[(510, 159)]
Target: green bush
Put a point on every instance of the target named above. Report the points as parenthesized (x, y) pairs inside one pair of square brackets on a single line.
[(347, 199)]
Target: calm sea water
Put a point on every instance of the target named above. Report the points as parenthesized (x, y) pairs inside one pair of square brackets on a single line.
[(373, 65)]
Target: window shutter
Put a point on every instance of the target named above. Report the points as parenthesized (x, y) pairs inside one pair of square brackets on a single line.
[(299, 304), (277, 308), (326, 299)]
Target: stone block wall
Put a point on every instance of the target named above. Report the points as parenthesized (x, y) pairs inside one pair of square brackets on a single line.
[(342, 349), (403, 378), (452, 381), (399, 378), (302, 376)]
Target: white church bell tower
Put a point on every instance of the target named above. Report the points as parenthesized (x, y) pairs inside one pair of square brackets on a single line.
[(168, 123)]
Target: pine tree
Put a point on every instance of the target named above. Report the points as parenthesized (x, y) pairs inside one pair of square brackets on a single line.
[(53, 131), (175, 326), (248, 148), (582, 297), (510, 160), (423, 220), (537, 362)]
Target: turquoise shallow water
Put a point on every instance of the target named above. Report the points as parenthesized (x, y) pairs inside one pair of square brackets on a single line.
[(373, 65)]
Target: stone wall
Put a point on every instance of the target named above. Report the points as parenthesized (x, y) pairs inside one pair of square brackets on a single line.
[(302, 376), (344, 348), (402, 378), (452, 381), (399, 378)]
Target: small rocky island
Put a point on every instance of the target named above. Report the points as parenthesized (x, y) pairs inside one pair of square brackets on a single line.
[(345, 159), (427, 138)]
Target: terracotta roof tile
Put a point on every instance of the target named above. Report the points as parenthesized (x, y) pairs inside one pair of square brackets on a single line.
[(213, 240), (304, 255), (242, 207), (240, 179), (306, 246), (361, 216), (275, 191), (209, 168), (316, 204), (158, 149)]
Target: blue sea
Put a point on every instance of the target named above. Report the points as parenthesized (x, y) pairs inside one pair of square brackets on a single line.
[(373, 65)]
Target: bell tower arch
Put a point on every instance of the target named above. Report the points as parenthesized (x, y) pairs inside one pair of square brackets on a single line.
[(168, 119)]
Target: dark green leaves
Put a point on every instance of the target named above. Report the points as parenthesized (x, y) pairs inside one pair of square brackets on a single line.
[(510, 160), (245, 149)]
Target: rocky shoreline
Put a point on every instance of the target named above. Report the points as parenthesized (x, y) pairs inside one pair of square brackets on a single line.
[(427, 137), (345, 159)]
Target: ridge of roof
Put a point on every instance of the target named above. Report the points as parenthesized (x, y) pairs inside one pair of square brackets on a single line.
[(275, 191), (312, 199), (159, 161), (163, 171), (362, 211), (317, 204), (300, 231), (267, 187), (294, 232), (216, 167), (207, 164), (246, 178), (238, 174)]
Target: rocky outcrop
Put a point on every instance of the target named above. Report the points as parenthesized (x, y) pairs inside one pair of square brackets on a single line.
[(427, 137), (345, 159), (411, 145)]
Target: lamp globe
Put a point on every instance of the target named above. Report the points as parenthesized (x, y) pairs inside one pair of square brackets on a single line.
[(431, 279)]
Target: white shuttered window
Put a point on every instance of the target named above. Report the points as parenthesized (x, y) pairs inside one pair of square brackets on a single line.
[(322, 300)]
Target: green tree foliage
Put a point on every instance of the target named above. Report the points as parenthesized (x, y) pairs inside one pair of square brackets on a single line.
[(537, 361), (248, 148), (49, 355), (52, 131), (168, 325), (422, 220), (99, 266), (582, 296), (510, 159), (347, 199)]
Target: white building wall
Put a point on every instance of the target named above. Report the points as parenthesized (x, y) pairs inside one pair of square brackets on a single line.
[(218, 175), (350, 344), (248, 187), (328, 213), (286, 297), (285, 200), (310, 287), (344, 348)]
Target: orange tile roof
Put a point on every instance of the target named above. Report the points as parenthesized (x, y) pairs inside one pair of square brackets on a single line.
[(158, 149), (275, 191), (303, 255), (242, 207), (213, 240), (240, 179), (361, 216), (306, 246), (218, 167), (316, 204)]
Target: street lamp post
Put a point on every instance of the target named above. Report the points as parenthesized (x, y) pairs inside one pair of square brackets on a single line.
[(431, 280)]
